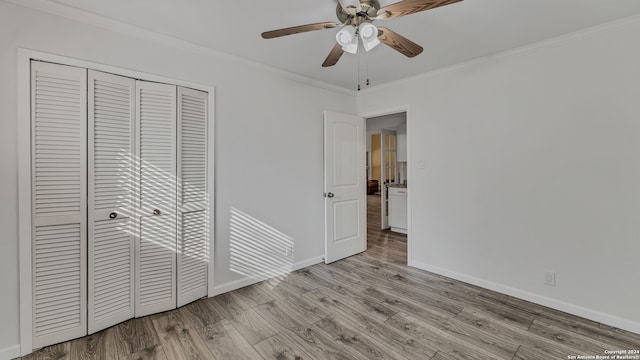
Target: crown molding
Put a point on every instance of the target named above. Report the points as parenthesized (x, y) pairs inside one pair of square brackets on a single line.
[(86, 17), (582, 33)]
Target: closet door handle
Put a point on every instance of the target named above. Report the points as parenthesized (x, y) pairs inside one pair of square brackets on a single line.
[(113, 215), (156, 212)]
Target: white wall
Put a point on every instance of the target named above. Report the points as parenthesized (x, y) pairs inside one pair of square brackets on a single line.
[(265, 124), (388, 122), (532, 163)]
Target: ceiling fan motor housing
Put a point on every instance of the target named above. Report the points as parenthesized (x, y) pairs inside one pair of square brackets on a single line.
[(369, 9)]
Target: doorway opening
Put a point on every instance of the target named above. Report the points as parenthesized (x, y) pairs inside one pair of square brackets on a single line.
[(386, 168)]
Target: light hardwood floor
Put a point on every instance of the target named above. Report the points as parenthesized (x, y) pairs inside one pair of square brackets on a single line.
[(369, 306)]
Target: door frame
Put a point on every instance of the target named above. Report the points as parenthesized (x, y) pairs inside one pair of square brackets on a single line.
[(384, 190), (396, 110), (24, 58)]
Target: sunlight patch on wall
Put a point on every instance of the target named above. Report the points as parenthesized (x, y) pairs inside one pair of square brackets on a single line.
[(258, 250), (154, 189)]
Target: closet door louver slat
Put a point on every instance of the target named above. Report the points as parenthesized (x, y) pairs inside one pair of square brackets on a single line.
[(193, 223), (58, 157), (111, 204), (156, 154)]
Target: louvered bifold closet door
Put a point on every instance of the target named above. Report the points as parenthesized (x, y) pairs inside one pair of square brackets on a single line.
[(59, 213), (111, 207), (156, 247), (193, 219)]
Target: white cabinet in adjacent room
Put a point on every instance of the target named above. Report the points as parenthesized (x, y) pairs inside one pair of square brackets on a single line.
[(398, 209)]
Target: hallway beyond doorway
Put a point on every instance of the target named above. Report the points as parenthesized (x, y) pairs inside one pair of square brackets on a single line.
[(384, 245)]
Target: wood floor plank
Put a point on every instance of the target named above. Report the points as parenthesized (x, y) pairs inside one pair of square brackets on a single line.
[(310, 275), (480, 338), (329, 298), (355, 340), (227, 306), (621, 335), (525, 353), (419, 294), (280, 290), (566, 321), (503, 313), (320, 346), (581, 344), (365, 323), (301, 307), (253, 296), (300, 282), (456, 355), (299, 330), (280, 348), (55, 352), (445, 287), (153, 352), (135, 335), (337, 278), (408, 306), (252, 326), (276, 314), (443, 340), (99, 346), (178, 340), (200, 314), (507, 333), (225, 342)]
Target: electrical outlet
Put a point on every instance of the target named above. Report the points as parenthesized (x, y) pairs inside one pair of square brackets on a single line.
[(288, 251), (550, 278)]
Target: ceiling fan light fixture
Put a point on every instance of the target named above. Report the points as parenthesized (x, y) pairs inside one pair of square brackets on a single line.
[(369, 34), (348, 40)]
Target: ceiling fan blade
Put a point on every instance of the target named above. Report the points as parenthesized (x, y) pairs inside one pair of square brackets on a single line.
[(408, 7), (350, 3), (400, 43), (333, 56), (299, 29)]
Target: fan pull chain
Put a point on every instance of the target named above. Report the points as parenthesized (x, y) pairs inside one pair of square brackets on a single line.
[(367, 62), (358, 59)]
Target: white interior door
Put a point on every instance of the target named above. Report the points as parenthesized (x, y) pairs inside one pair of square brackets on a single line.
[(344, 185), (193, 217), (59, 202), (111, 207), (155, 287)]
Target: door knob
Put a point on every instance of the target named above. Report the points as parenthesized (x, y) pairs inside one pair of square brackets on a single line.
[(330, 195), (156, 212), (113, 215)]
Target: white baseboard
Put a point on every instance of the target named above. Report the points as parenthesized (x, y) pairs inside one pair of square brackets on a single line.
[(240, 283), (10, 352), (586, 313)]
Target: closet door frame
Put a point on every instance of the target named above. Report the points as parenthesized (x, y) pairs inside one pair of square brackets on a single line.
[(24, 58)]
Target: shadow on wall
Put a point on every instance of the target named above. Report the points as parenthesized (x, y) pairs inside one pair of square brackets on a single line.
[(258, 250)]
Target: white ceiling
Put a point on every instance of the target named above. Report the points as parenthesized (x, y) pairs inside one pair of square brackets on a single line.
[(452, 34)]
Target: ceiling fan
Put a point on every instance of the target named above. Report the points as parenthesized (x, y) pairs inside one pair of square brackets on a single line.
[(356, 19)]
